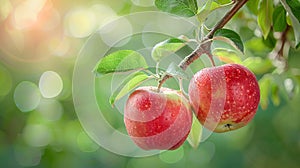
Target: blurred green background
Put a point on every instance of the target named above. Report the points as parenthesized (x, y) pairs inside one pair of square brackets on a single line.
[(39, 43)]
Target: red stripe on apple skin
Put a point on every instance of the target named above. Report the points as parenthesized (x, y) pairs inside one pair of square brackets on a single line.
[(224, 98), (157, 120)]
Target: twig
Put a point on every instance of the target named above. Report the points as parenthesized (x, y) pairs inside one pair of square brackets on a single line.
[(277, 55), (205, 44)]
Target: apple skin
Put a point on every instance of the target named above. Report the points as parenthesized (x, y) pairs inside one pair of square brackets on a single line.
[(157, 120), (224, 98)]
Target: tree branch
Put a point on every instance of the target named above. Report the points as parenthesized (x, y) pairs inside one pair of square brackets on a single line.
[(238, 5), (205, 44), (277, 55)]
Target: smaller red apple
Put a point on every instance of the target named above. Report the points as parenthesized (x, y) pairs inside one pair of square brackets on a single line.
[(224, 98), (157, 120)]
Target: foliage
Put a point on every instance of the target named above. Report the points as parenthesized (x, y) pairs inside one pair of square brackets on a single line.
[(271, 19), (51, 135)]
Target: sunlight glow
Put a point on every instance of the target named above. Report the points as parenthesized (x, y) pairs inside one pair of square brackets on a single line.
[(103, 13), (59, 46), (26, 13), (5, 9), (50, 84), (80, 23)]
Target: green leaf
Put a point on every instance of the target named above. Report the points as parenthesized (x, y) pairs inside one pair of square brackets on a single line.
[(227, 55), (257, 47), (186, 8), (126, 9), (195, 134), (275, 94), (279, 19), (129, 83), (295, 21), (258, 65), (270, 41), (222, 2), (264, 86), (166, 48), (264, 16), (295, 8), (235, 39), (253, 6), (175, 71), (209, 6), (120, 61), (289, 20)]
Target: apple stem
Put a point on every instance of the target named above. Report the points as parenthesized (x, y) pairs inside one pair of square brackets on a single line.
[(210, 56), (157, 68), (205, 44)]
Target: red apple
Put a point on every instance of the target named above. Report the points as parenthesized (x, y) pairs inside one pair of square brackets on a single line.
[(157, 120), (224, 98)]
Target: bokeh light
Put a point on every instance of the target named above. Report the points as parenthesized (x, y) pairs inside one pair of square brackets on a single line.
[(103, 13), (26, 13), (80, 23), (59, 46), (17, 42), (50, 84), (27, 96), (27, 156), (289, 85), (50, 109), (37, 135), (5, 9), (50, 19)]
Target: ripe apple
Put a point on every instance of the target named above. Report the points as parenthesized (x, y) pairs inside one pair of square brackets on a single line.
[(224, 98), (157, 120)]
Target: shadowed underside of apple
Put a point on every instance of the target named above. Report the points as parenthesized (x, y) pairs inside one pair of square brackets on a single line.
[(157, 120), (224, 98)]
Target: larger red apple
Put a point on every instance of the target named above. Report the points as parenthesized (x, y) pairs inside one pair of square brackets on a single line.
[(157, 120), (224, 98)]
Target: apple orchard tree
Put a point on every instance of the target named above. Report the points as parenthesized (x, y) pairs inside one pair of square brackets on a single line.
[(223, 96)]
